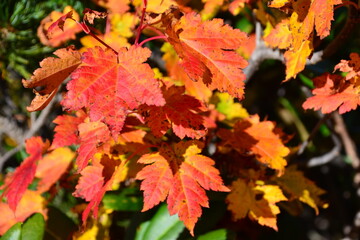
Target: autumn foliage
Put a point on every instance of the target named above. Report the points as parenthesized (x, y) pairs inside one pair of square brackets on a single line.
[(178, 132)]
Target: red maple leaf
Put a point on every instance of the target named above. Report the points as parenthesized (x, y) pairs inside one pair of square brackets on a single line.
[(182, 175), (112, 85), (18, 182), (94, 137), (181, 113), (66, 131)]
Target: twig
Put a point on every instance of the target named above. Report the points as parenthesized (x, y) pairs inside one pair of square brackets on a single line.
[(329, 156), (261, 53), (312, 134), (39, 122)]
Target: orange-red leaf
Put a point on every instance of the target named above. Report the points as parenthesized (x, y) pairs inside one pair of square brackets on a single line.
[(331, 92), (93, 137), (52, 73), (324, 12), (157, 179), (66, 131), (181, 174), (207, 52), (352, 66), (181, 113), (258, 138), (16, 186), (90, 182), (52, 166), (110, 85)]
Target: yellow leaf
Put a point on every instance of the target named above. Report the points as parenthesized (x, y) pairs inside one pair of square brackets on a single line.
[(296, 59), (299, 187), (124, 24), (256, 201)]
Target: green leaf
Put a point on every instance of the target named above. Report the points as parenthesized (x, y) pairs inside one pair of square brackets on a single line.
[(14, 233), (220, 234), (127, 200), (33, 228), (161, 227)]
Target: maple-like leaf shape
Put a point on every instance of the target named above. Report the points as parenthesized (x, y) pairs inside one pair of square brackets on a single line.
[(66, 130), (258, 138), (90, 182), (111, 85), (52, 72), (181, 174), (181, 113), (94, 137), (299, 187), (332, 92), (32, 202), (52, 166), (60, 30), (256, 201), (16, 186), (157, 179), (207, 52)]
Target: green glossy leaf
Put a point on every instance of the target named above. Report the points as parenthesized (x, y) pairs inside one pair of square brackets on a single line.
[(33, 228), (14, 233), (127, 200), (220, 234), (161, 227)]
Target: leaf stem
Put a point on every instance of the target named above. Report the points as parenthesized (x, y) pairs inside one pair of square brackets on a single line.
[(152, 38), (87, 30), (140, 28)]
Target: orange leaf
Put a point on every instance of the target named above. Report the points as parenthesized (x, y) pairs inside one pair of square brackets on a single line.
[(32, 202), (352, 66), (207, 52), (180, 113), (110, 85), (280, 36), (52, 166), (93, 137), (114, 6), (331, 92), (66, 30), (256, 201), (324, 12), (182, 174), (52, 73), (16, 185), (258, 138)]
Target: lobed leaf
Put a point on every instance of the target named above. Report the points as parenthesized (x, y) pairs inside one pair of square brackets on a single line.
[(52, 72), (110, 85)]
